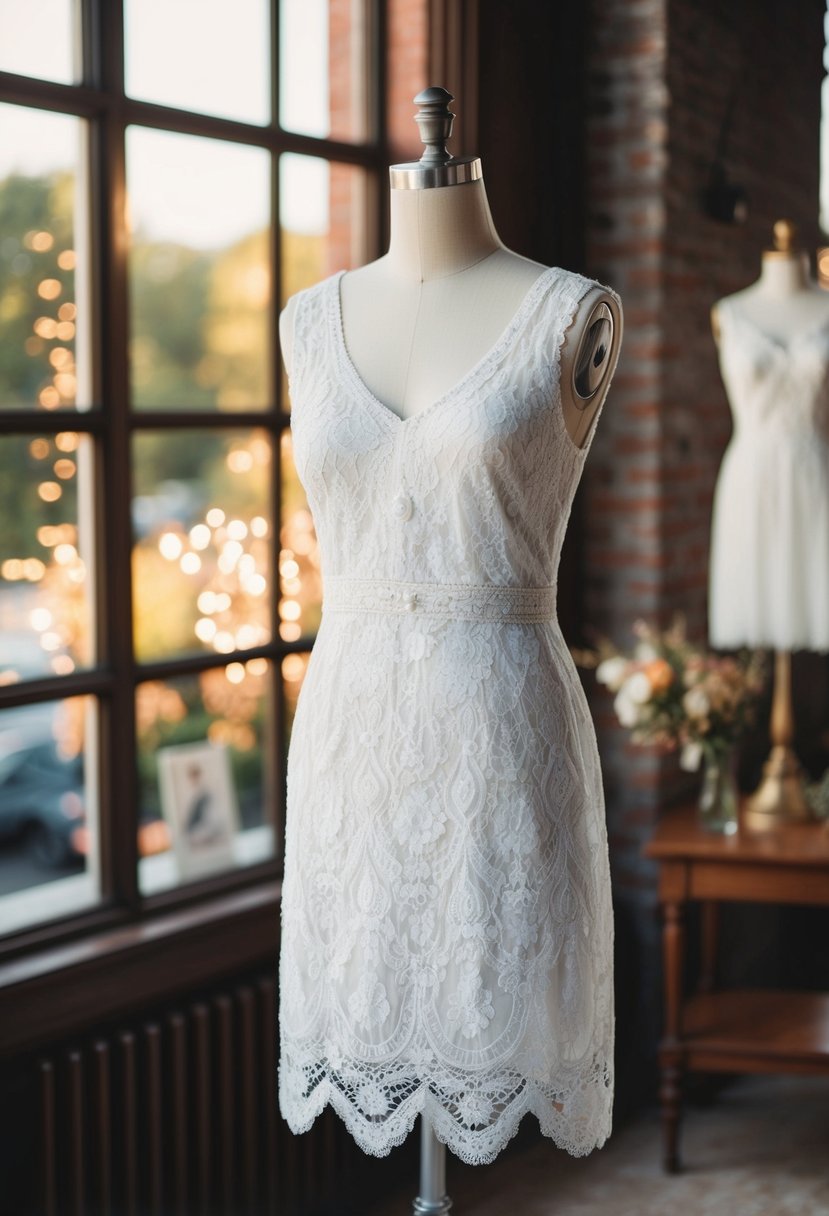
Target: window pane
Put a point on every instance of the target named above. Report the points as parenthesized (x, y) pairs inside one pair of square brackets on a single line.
[(188, 799), (49, 863), (300, 578), (46, 555), (324, 84), (37, 39), (201, 555), (44, 285), (199, 217), (322, 221), (188, 54)]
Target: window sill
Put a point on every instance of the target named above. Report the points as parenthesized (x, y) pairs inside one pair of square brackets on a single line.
[(162, 872), (78, 893), (62, 990)]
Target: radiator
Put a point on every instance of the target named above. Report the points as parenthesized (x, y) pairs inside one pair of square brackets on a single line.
[(177, 1114)]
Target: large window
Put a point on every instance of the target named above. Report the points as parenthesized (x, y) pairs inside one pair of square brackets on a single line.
[(168, 177)]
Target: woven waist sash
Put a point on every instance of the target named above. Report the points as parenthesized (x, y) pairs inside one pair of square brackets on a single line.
[(456, 601)]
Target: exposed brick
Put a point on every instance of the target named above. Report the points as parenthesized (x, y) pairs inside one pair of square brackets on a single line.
[(660, 76)]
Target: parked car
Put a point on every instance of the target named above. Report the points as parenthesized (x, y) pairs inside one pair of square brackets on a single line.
[(41, 802)]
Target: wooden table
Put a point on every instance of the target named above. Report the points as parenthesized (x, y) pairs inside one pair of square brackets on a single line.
[(741, 1030)]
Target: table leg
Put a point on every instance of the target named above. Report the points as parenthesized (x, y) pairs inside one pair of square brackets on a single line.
[(670, 1055), (708, 962)]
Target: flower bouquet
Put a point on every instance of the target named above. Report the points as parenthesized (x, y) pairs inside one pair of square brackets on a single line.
[(679, 696)]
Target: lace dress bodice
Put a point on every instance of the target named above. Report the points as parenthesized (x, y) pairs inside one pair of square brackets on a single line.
[(478, 509)]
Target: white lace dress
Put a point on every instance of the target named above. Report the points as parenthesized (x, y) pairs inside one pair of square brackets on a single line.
[(447, 927), (769, 571)]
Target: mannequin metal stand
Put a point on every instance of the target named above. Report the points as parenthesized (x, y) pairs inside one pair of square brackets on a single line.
[(432, 1200), (780, 797), (425, 255), (435, 168)]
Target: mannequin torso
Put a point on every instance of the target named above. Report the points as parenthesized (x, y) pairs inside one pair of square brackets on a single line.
[(769, 575), (419, 318), (784, 302)]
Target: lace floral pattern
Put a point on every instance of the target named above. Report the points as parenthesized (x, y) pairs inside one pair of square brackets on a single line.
[(447, 930)]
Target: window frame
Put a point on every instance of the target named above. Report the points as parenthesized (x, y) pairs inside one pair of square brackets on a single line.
[(111, 423)]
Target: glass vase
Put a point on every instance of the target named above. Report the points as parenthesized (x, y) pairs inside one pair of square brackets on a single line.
[(719, 797)]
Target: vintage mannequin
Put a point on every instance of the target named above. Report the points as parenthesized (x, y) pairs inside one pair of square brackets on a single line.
[(783, 303), (419, 318)]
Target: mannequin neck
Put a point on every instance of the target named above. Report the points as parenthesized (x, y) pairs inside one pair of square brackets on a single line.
[(783, 274), (440, 231)]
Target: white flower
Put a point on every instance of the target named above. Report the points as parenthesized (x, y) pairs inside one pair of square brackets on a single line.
[(644, 652), (690, 757), (638, 688), (611, 672), (696, 703), (627, 711), (634, 693)]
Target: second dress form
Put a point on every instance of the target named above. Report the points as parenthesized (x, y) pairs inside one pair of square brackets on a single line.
[(769, 577), (769, 572)]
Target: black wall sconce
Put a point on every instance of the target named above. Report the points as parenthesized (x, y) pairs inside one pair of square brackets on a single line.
[(723, 199)]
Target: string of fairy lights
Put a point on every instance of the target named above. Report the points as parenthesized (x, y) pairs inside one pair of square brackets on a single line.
[(223, 556)]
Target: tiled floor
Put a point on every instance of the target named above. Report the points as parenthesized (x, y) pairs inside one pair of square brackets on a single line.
[(761, 1149)]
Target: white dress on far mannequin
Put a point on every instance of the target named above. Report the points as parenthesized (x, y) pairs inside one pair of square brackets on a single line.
[(447, 926), (769, 573)]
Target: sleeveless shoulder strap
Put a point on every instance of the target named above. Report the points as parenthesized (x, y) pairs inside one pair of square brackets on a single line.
[(309, 336), (568, 291), (554, 315), (571, 288)]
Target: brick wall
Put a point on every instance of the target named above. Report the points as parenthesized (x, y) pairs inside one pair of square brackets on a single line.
[(660, 75), (408, 43), (406, 70)]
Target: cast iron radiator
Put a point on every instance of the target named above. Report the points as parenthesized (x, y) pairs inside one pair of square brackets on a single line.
[(177, 1114)]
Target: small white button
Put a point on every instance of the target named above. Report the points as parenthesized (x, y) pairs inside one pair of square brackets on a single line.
[(402, 507), (410, 603)]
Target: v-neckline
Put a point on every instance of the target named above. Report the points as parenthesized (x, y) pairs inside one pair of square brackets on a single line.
[(468, 378), (786, 347)]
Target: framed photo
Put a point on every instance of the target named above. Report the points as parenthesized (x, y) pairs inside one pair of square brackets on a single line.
[(199, 803)]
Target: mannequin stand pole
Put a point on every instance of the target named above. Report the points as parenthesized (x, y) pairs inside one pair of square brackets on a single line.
[(432, 1200), (780, 797)]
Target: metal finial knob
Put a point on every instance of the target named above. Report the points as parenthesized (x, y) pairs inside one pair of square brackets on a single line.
[(434, 119), (436, 167), (785, 236)]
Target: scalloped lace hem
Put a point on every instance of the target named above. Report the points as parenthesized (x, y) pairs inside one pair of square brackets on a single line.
[(479, 1147)]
